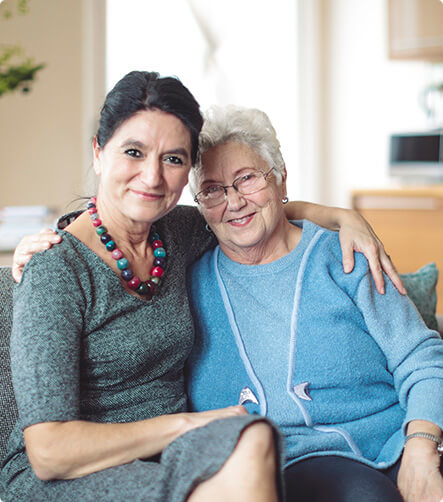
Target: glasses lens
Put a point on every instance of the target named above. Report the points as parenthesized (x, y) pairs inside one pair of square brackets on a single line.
[(250, 182), (211, 196)]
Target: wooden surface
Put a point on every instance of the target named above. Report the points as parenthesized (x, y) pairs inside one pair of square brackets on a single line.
[(410, 224)]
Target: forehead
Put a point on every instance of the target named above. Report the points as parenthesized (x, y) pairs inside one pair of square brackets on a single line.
[(227, 159), (153, 126)]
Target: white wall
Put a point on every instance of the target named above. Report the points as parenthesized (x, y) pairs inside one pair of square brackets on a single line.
[(319, 68), (367, 97)]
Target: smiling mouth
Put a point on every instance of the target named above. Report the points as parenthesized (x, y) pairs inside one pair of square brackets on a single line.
[(244, 220), (147, 196)]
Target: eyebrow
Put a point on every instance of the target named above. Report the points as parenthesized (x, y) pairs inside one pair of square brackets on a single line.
[(141, 145)]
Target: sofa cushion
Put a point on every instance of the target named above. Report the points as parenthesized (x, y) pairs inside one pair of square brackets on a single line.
[(8, 408), (421, 287)]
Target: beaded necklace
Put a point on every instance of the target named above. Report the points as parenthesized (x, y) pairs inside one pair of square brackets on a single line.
[(142, 288)]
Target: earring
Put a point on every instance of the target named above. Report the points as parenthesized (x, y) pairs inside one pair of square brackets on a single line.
[(208, 228), (285, 200)]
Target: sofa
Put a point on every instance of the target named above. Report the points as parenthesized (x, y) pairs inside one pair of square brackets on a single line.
[(8, 407)]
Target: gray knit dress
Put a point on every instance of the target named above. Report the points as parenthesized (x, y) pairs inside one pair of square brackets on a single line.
[(82, 348)]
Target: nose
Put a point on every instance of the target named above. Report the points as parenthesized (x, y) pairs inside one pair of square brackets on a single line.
[(235, 199), (152, 173)]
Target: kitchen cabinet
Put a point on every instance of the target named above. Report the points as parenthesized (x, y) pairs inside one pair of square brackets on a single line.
[(415, 29)]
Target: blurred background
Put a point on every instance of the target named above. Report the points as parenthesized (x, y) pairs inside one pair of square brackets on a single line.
[(354, 89)]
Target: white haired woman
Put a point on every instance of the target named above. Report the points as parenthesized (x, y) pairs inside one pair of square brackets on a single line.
[(353, 379)]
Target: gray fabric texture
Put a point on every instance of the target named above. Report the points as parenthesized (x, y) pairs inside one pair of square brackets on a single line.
[(83, 348), (8, 408)]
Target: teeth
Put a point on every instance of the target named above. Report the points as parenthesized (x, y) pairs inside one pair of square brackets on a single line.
[(239, 220)]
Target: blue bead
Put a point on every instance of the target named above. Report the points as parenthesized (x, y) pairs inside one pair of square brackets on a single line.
[(110, 246), (160, 262), (127, 274), (159, 252), (90, 204), (94, 216), (123, 263), (153, 236)]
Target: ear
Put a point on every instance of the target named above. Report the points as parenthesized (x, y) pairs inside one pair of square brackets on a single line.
[(283, 182), (96, 156)]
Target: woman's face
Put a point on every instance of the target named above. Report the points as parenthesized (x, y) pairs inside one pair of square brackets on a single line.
[(144, 167), (241, 222)]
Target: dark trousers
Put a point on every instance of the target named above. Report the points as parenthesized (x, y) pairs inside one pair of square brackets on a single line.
[(339, 479)]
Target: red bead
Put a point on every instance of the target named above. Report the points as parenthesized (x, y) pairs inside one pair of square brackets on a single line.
[(92, 210), (157, 244), (97, 222), (157, 271), (134, 283), (117, 254), (93, 200)]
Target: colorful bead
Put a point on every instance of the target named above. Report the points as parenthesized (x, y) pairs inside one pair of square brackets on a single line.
[(153, 236), (123, 263), (156, 271), (134, 283), (160, 262), (105, 238), (145, 289), (117, 254), (159, 252), (127, 274), (157, 244)]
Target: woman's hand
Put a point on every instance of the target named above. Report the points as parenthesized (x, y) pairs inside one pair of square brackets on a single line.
[(419, 478), (28, 246), (202, 418), (357, 235)]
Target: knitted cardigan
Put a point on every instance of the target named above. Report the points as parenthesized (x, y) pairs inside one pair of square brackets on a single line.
[(361, 365)]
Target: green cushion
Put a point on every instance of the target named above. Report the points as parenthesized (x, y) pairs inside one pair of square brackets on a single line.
[(420, 286)]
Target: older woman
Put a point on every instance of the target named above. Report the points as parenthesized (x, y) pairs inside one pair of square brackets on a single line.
[(349, 376), (98, 344)]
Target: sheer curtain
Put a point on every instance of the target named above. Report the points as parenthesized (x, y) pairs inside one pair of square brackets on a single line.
[(226, 51)]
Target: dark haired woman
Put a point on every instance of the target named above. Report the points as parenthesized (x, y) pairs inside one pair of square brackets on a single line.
[(97, 358)]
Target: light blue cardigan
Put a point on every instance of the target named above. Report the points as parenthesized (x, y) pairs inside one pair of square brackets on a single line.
[(361, 365)]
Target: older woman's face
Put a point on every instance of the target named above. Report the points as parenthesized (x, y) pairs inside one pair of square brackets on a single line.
[(144, 167), (241, 222)]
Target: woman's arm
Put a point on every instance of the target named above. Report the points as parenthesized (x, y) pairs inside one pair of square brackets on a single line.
[(419, 477), (355, 235), (67, 450)]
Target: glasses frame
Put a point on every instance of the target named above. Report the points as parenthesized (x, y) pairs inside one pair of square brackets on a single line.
[(234, 186)]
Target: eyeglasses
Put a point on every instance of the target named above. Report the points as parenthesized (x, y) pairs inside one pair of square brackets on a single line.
[(247, 184)]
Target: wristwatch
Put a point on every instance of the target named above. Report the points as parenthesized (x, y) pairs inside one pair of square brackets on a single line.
[(431, 437)]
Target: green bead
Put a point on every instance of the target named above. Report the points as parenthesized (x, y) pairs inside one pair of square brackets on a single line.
[(101, 230), (155, 280), (123, 263), (143, 289)]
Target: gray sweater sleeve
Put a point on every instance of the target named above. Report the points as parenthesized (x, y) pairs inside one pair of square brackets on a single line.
[(45, 340)]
